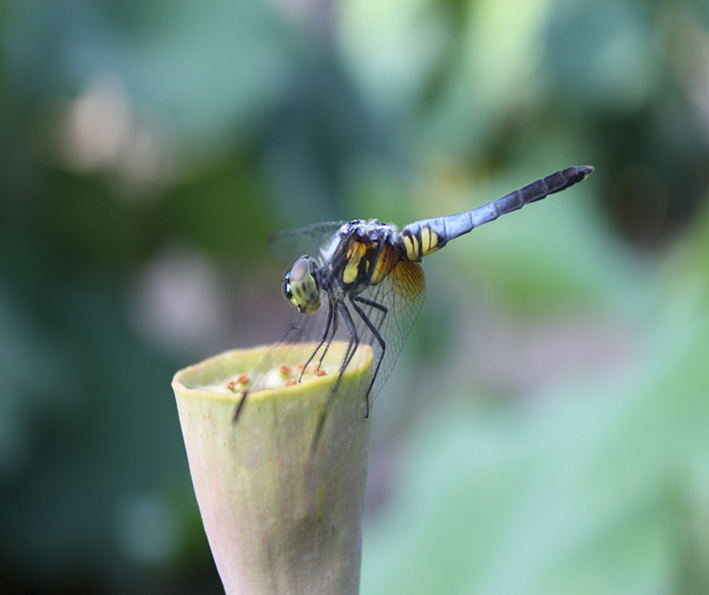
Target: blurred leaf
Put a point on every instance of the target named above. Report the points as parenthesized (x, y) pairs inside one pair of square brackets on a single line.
[(602, 55), (394, 48), (224, 211), (216, 70), (30, 361)]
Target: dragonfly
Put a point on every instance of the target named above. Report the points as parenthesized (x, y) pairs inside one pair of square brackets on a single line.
[(368, 279)]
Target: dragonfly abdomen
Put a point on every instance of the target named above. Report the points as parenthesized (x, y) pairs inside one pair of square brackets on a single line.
[(424, 237)]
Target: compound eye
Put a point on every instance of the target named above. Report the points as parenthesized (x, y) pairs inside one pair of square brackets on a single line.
[(287, 288), (301, 287)]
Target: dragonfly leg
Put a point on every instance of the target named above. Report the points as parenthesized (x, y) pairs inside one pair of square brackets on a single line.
[(374, 304), (240, 406), (375, 332), (328, 325), (349, 354), (335, 319), (354, 341)]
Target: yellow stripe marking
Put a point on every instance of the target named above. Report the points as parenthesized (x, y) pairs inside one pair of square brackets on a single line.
[(425, 239), (415, 251), (429, 240), (411, 243), (383, 266), (355, 256)]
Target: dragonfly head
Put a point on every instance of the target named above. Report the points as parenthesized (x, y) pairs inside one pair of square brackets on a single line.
[(301, 286)]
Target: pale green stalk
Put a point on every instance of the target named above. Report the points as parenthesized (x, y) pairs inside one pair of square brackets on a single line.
[(279, 518)]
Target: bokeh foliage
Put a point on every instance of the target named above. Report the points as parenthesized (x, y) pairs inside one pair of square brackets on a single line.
[(546, 428)]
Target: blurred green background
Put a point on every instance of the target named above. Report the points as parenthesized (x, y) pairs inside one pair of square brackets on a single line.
[(546, 429)]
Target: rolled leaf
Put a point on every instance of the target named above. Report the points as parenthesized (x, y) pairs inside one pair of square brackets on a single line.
[(281, 515)]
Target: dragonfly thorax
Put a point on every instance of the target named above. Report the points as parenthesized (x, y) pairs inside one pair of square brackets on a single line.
[(301, 286)]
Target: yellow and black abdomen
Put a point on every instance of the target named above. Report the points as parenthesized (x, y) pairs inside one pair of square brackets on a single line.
[(423, 238)]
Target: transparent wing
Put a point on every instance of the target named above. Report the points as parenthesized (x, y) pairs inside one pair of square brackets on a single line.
[(402, 294), (291, 244)]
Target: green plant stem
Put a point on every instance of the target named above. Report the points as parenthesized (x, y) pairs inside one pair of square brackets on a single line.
[(280, 517)]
